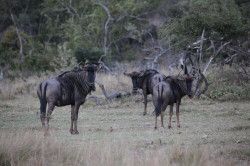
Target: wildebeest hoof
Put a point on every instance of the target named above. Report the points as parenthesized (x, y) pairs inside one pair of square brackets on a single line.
[(179, 126), (155, 128), (144, 113), (71, 131), (169, 127), (46, 133), (76, 132)]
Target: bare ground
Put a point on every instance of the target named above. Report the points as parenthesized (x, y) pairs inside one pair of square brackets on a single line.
[(220, 130)]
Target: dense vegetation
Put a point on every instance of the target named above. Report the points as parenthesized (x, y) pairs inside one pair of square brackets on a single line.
[(48, 34)]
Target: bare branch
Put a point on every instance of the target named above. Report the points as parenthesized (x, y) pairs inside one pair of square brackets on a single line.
[(159, 55), (221, 47), (214, 55), (21, 55), (201, 46), (106, 27)]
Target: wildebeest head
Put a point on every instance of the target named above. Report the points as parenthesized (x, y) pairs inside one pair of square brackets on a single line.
[(135, 80), (90, 70), (189, 82)]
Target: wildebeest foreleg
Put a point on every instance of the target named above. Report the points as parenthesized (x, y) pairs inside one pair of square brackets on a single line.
[(170, 116), (145, 104), (177, 114), (76, 117), (72, 117)]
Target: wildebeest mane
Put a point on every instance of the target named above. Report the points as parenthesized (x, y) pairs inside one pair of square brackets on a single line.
[(74, 79), (177, 84), (144, 74)]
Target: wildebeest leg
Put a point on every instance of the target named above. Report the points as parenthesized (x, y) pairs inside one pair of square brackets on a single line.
[(77, 106), (72, 117), (155, 122), (42, 117), (170, 116), (162, 119), (177, 113), (145, 103), (51, 107), (162, 113)]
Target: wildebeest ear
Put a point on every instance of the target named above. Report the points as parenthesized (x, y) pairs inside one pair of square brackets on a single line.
[(127, 74), (185, 70)]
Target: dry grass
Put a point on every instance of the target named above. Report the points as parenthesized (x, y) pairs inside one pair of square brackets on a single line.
[(212, 133), (32, 148), (9, 89)]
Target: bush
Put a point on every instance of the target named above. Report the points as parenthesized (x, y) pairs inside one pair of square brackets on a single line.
[(92, 55), (220, 18), (226, 85)]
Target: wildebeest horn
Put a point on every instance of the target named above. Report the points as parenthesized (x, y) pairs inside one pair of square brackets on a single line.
[(127, 74), (185, 70)]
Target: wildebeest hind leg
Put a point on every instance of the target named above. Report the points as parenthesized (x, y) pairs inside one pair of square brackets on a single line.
[(71, 130), (162, 114), (42, 117), (51, 107), (155, 122), (177, 114), (170, 116)]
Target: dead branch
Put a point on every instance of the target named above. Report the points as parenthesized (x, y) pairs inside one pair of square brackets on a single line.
[(95, 98), (159, 55), (115, 95), (21, 55), (216, 52), (106, 27), (201, 46), (200, 81)]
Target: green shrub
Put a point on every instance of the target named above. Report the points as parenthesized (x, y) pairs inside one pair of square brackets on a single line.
[(92, 55), (226, 85)]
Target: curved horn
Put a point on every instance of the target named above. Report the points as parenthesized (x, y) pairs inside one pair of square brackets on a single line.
[(127, 74)]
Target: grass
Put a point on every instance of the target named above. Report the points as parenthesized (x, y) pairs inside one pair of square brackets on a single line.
[(211, 133), (118, 134)]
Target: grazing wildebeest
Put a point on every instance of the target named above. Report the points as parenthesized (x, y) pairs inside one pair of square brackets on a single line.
[(143, 80), (69, 88), (171, 91)]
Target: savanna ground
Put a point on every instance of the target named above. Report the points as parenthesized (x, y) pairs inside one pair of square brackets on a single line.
[(211, 133)]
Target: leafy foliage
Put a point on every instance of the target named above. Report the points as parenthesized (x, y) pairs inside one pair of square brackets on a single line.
[(82, 55), (222, 19), (46, 26)]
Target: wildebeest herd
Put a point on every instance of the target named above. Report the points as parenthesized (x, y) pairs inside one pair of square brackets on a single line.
[(72, 87)]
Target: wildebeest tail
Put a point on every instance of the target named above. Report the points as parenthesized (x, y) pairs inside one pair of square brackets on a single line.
[(42, 97), (158, 107), (160, 99)]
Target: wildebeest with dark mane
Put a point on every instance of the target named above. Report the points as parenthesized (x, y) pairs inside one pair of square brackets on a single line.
[(69, 88), (143, 80), (171, 91)]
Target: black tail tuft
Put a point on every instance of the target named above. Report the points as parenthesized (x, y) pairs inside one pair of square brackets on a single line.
[(43, 102), (158, 107)]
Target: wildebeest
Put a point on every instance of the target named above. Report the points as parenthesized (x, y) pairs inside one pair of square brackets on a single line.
[(171, 91), (69, 88), (143, 80)]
